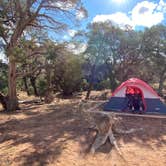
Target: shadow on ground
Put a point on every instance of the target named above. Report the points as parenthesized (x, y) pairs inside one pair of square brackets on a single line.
[(43, 135)]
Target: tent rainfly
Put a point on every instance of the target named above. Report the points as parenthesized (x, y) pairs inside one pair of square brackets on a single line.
[(151, 101)]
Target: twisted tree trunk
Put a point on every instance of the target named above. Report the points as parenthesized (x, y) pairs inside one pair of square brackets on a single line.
[(12, 103)]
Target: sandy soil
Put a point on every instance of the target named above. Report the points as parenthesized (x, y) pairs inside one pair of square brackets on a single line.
[(56, 134)]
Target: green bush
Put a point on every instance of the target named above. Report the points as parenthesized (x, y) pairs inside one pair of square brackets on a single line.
[(3, 78), (105, 84), (41, 86), (68, 73)]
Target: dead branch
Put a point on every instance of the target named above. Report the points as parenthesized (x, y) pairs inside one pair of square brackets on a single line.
[(106, 125), (23, 74)]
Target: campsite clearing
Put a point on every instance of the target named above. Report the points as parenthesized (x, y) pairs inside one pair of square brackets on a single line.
[(56, 134)]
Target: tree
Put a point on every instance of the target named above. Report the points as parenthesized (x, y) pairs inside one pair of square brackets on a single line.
[(53, 51), (3, 77), (155, 51), (17, 15), (30, 62), (130, 56), (3, 83), (68, 73), (102, 48)]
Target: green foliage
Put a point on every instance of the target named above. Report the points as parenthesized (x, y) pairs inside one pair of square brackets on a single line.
[(68, 73), (3, 78), (154, 48), (104, 84), (41, 85), (84, 85)]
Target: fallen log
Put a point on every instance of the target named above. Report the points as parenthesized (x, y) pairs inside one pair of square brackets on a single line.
[(105, 124)]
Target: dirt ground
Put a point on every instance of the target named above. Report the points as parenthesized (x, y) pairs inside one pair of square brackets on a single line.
[(57, 134)]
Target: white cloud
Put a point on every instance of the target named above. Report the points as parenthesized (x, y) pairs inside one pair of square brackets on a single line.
[(118, 18), (66, 37), (72, 32), (77, 48), (63, 5), (81, 48), (144, 14), (2, 57), (161, 6), (81, 14)]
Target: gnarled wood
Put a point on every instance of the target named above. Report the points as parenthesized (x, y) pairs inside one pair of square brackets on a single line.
[(12, 104), (106, 125)]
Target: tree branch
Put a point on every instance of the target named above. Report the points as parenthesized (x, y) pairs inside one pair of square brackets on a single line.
[(23, 74)]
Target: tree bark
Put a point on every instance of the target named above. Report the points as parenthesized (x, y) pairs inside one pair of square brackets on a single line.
[(160, 86), (111, 76), (90, 83), (26, 85), (113, 82), (33, 83), (161, 82), (48, 95), (89, 90), (12, 104)]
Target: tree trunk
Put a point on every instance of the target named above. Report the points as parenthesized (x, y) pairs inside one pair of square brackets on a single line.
[(113, 82), (12, 104), (48, 95), (33, 83), (161, 82), (26, 85), (112, 77), (89, 90), (90, 83)]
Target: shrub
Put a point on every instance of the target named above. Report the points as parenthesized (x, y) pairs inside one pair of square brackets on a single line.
[(68, 73)]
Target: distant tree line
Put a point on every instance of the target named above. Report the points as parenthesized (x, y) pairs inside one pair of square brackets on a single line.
[(115, 54)]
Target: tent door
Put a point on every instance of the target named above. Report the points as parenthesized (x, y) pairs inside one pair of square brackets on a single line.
[(135, 99)]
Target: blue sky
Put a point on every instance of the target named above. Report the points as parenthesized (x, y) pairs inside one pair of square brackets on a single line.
[(133, 12), (136, 13)]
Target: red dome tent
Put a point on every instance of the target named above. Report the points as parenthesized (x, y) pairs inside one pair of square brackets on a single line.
[(150, 99)]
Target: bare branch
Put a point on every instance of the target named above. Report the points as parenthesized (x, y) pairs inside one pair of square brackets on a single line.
[(49, 19), (23, 74)]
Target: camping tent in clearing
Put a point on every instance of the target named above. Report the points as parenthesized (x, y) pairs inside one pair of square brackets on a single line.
[(135, 95)]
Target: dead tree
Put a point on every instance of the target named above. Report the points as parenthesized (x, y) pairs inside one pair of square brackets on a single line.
[(106, 125)]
